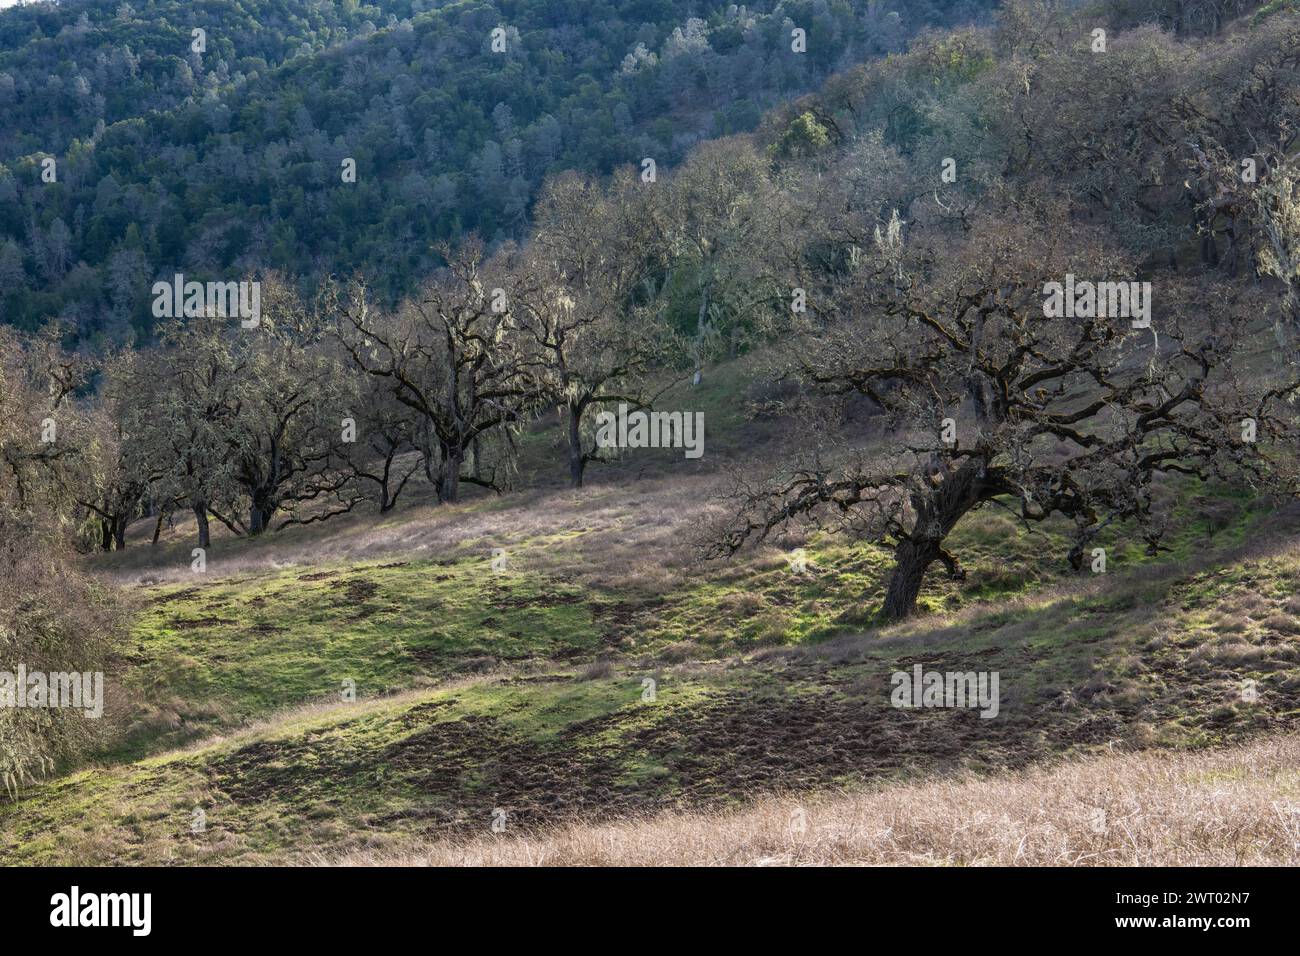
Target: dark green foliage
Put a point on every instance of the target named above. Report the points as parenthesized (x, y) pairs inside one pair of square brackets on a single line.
[(229, 161)]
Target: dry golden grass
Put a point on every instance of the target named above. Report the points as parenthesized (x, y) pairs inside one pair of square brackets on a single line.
[(1231, 807)]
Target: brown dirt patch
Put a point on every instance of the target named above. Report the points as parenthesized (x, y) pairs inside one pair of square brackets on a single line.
[(319, 575), (509, 602), (183, 595), (355, 590), (196, 623)]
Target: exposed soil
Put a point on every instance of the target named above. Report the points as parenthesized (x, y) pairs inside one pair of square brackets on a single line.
[(502, 601), (195, 623), (184, 594), (355, 590), (617, 621)]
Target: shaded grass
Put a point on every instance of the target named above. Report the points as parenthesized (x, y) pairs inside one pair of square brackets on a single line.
[(1125, 662)]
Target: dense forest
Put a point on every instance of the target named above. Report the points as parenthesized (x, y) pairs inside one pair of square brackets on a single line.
[(311, 137)]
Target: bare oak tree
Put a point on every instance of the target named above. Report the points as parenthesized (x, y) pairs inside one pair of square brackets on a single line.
[(989, 402), (455, 356), (386, 432), (591, 316)]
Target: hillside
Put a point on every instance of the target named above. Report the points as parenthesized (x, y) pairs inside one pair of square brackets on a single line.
[(1231, 807), (524, 689), (229, 161), (906, 472)]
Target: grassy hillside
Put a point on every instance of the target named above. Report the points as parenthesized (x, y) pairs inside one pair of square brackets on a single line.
[(524, 688), (1156, 658)]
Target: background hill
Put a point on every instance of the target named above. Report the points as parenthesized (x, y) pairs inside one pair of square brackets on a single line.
[(228, 161)]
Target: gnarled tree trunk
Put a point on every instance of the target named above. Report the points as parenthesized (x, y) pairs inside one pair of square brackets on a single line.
[(911, 559), (954, 494), (453, 460), (260, 512), (577, 461), (201, 518)]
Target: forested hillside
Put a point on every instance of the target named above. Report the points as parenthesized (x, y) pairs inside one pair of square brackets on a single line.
[(67, 67), (231, 159)]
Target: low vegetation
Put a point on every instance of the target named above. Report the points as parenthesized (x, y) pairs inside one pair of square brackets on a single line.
[(1232, 807)]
